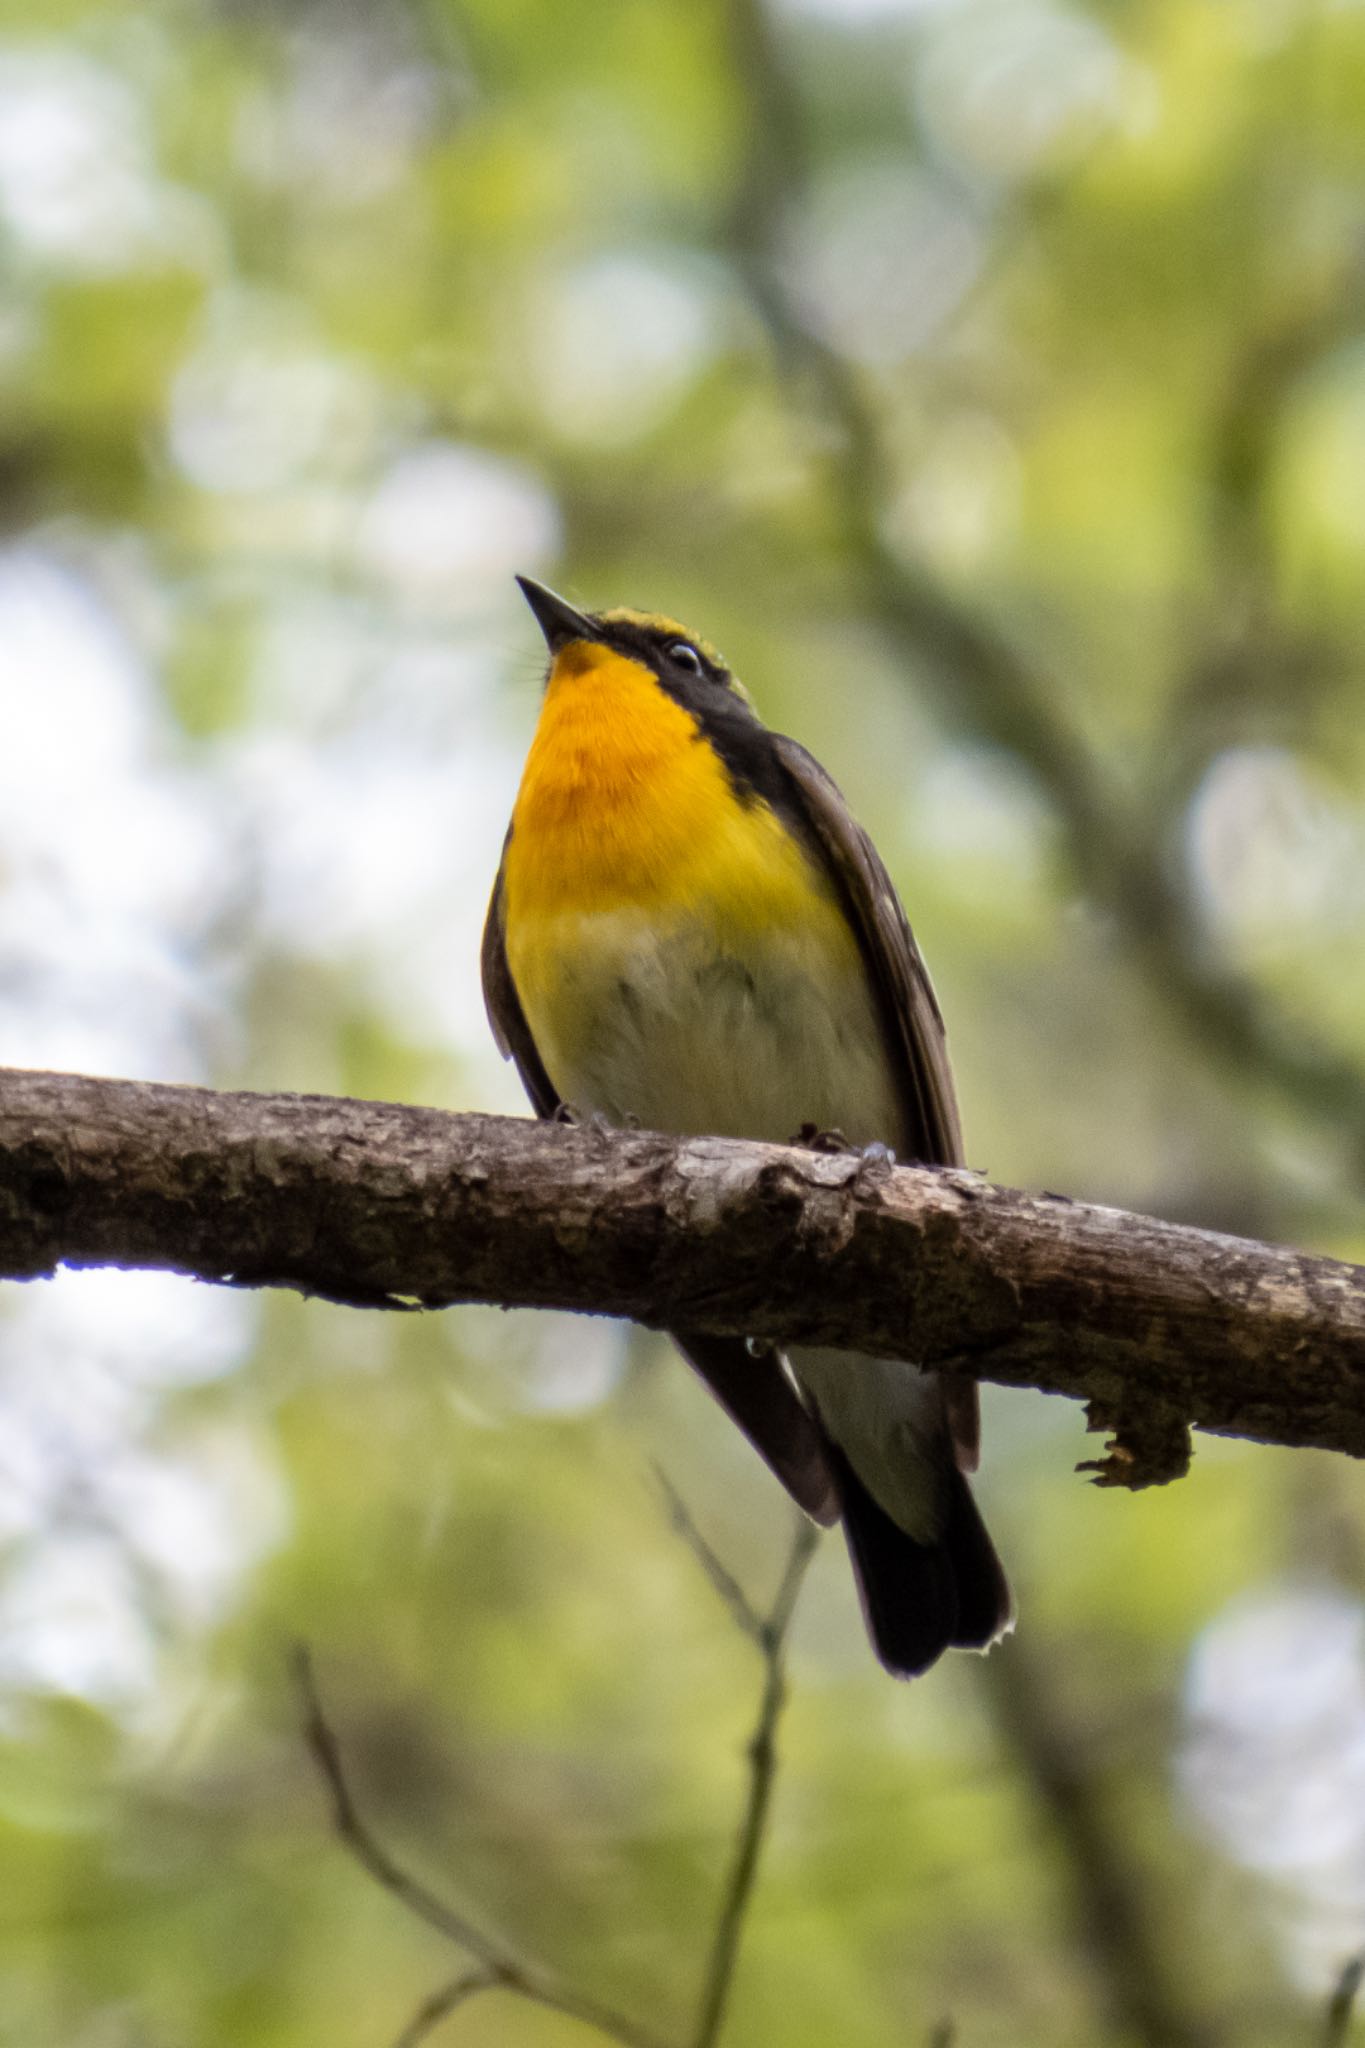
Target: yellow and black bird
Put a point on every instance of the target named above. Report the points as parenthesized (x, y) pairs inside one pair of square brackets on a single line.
[(690, 932)]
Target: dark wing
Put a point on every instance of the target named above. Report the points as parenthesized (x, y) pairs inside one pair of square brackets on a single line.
[(753, 1390), (761, 1401), (913, 1022), (505, 1014)]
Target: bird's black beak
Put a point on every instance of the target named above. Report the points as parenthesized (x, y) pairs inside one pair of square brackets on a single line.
[(555, 616)]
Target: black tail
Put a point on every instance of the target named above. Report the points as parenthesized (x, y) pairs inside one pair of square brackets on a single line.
[(920, 1599)]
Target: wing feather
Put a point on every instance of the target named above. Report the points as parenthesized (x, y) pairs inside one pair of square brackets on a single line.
[(505, 1014), (911, 1018)]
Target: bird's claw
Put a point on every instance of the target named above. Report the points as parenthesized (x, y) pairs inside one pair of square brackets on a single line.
[(597, 1125), (811, 1138), (871, 1161)]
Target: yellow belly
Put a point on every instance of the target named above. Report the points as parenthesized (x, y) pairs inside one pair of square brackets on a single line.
[(659, 1020)]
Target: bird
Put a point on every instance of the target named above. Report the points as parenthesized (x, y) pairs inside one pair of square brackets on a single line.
[(690, 933)]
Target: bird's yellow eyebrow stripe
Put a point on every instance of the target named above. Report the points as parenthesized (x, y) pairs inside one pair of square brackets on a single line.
[(659, 622)]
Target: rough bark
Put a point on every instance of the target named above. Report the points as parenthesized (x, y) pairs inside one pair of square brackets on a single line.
[(1155, 1325)]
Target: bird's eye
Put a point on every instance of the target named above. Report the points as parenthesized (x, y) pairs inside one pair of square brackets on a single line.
[(683, 654)]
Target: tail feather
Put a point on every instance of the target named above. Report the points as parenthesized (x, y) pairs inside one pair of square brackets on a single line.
[(920, 1599), (985, 1604)]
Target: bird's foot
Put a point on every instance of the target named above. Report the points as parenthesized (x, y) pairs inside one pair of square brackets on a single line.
[(868, 1162), (593, 1121), (811, 1138)]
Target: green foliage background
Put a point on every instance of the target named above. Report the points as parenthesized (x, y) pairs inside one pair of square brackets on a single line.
[(987, 379)]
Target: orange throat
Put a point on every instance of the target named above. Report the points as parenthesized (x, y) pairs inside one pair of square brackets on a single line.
[(617, 787)]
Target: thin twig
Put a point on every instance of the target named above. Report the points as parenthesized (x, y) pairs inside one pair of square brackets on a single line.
[(805, 1542), (442, 2004), (762, 1755), (1342, 2004), (368, 1852), (500, 1967), (743, 1613)]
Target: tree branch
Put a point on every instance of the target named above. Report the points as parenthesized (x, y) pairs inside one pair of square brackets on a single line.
[(497, 1967), (434, 2011), (1155, 1325), (769, 1632)]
